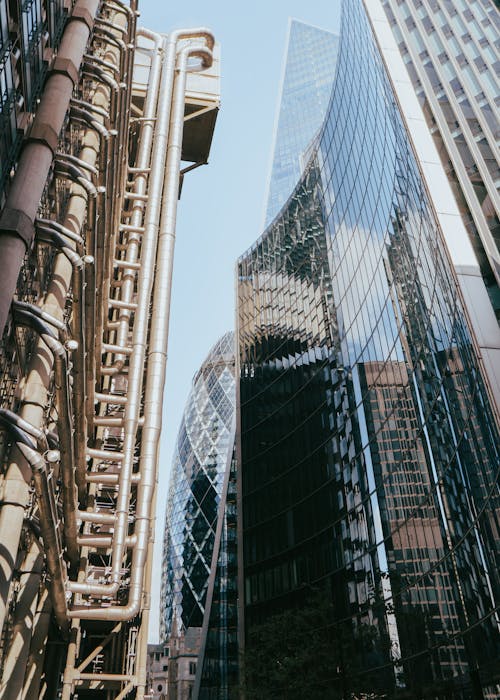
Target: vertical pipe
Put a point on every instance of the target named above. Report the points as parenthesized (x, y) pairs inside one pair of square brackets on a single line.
[(16, 221), (156, 363), (140, 184), (35, 391), (140, 332)]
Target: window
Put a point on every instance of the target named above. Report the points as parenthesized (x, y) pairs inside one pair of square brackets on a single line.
[(192, 668)]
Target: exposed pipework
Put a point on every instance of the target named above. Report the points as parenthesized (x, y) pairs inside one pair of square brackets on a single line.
[(58, 236), (16, 221), (65, 168), (165, 171), (108, 391), (140, 184), (32, 316), (48, 512)]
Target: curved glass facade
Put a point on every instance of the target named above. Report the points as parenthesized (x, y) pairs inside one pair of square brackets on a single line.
[(199, 553), (305, 92), (368, 458)]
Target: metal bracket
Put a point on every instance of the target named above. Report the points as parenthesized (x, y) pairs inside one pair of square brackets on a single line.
[(199, 112)]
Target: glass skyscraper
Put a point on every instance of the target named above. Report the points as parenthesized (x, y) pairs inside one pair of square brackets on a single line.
[(305, 92), (451, 51), (368, 455), (198, 595)]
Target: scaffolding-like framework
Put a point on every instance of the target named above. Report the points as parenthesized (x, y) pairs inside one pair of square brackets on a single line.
[(82, 364)]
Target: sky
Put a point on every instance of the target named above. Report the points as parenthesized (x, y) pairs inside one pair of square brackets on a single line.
[(221, 210)]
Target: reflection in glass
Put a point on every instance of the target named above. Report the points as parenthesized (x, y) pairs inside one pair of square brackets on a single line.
[(198, 598), (369, 452)]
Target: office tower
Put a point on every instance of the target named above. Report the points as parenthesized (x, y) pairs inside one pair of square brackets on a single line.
[(90, 182), (305, 92), (198, 598), (451, 52), (368, 453)]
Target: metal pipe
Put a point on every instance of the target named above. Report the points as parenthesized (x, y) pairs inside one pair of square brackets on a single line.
[(50, 534), (112, 26), (131, 418), (90, 300), (156, 365), (90, 107), (80, 372), (110, 479), (64, 423), (79, 162), (140, 326), (148, 250), (108, 421), (69, 170), (34, 397), (97, 541), (96, 73), (106, 95), (101, 62), (31, 309), (51, 236), (89, 516), (140, 186), (117, 677), (106, 242), (34, 392), (16, 221), (50, 226), (94, 453), (9, 418), (118, 6), (79, 369), (117, 399), (48, 518)]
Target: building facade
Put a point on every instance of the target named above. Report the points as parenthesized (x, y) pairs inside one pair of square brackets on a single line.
[(90, 175), (305, 92), (29, 37), (368, 440), (157, 672), (198, 594), (451, 52)]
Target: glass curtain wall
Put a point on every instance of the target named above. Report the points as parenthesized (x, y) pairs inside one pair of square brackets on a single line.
[(451, 52), (305, 93), (197, 598), (368, 457)]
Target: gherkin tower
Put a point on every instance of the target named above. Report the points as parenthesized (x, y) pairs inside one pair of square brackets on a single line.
[(200, 529)]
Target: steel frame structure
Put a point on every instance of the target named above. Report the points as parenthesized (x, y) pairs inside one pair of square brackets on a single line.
[(86, 345)]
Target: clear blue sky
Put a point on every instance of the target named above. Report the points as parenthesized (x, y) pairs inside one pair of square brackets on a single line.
[(222, 206)]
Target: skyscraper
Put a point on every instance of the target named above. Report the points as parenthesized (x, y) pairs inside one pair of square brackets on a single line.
[(305, 92), (451, 52), (91, 138), (198, 596), (368, 453)]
